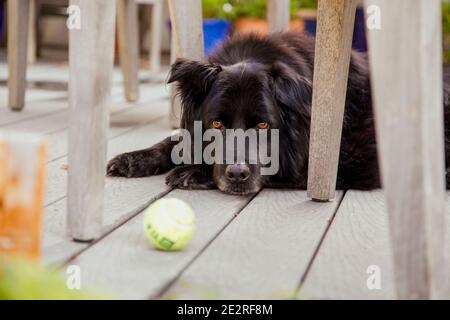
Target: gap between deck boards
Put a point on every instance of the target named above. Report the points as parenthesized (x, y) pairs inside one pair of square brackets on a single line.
[(262, 253), (169, 284), (165, 289), (124, 260), (319, 244)]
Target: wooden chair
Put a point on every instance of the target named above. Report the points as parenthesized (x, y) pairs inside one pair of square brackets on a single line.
[(22, 45), (406, 69)]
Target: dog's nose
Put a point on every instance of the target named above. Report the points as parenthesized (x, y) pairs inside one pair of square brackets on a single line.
[(237, 172)]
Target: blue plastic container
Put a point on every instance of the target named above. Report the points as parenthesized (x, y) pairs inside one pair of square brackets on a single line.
[(359, 33), (310, 26), (215, 31), (2, 5)]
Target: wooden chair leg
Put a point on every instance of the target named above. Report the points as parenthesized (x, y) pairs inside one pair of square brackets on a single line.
[(91, 62), (335, 22), (18, 13), (127, 27), (278, 15), (156, 40), (32, 35), (408, 96), (187, 27)]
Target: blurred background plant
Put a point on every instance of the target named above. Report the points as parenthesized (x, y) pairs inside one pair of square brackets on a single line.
[(234, 9), (446, 30), (23, 279)]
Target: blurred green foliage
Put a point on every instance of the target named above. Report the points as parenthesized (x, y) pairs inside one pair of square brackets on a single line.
[(233, 9), (446, 30), (446, 17), (24, 280)]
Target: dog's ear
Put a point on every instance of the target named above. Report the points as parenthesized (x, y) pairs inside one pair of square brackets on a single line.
[(194, 81), (290, 89)]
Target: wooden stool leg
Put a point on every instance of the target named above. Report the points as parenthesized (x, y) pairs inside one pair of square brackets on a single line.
[(18, 13), (406, 68), (32, 34), (335, 22), (127, 27), (187, 27), (91, 61), (156, 32), (278, 15)]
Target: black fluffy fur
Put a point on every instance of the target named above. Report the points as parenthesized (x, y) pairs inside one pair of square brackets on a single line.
[(266, 78)]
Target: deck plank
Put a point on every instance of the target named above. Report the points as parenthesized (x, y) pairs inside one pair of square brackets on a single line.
[(148, 130), (42, 101), (38, 104), (263, 253), (123, 117), (125, 263), (122, 121), (38, 101), (357, 239)]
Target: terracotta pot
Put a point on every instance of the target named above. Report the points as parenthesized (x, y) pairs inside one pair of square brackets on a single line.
[(261, 26)]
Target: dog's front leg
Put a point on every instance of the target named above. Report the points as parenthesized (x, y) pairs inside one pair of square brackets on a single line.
[(191, 176), (143, 163)]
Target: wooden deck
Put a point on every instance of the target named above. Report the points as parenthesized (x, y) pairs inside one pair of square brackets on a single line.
[(277, 244)]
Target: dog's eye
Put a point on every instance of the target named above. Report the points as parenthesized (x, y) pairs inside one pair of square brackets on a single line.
[(263, 125), (217, 124)]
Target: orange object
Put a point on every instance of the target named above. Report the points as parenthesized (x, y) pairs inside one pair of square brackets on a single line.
[(261, 26), (22, 162)]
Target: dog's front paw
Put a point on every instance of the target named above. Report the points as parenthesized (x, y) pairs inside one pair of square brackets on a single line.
[(136, 164), (119, 166), (191, 177)]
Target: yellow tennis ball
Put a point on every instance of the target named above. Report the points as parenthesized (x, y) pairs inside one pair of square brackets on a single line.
[(169, 224)]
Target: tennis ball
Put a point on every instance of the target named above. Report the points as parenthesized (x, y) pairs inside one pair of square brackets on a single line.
[(169, 224)]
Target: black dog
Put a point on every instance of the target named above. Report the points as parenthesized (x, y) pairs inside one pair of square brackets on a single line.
[(263, 82)]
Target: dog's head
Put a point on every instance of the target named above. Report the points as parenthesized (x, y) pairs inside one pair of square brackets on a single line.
[(247, 95)]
